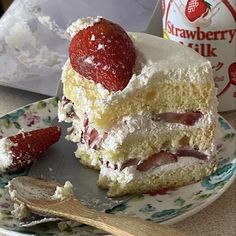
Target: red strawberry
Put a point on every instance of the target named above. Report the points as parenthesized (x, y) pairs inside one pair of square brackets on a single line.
[(232, 79), (191, 153), (21, 149), (103, 53), (157, 159), (232, 73), (130, 162), (92, 138), (186, 118), (196, 8)]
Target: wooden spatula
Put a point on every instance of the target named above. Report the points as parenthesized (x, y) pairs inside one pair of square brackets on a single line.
[(37, 194)]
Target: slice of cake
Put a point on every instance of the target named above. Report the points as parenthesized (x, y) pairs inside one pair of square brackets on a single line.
[(142, 109)]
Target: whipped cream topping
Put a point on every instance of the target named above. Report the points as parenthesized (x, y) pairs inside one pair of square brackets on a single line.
[(5, 154), (81, 24)]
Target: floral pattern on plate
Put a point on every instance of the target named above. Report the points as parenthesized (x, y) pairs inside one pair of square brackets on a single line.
[(166, 207)]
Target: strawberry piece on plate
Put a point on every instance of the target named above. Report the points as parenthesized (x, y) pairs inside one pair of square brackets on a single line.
[(19, 150), (103, 53), (196, 9)]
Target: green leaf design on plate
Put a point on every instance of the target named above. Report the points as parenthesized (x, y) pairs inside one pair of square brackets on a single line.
[(121, 207), (165, 215), (27, 107), (223, 123), (54, 101), (137, 197), (158, 200), (41, 105), (223, 161), (203, 197), (3, 183), (220, 177), (147, 208), (187, 206), (229, 137), (199, 192), (17, 125), (234, 153), (179, 202), (48, 120), (14, 116), (6, 122)]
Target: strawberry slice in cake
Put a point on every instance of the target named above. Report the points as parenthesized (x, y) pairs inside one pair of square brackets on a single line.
[(142, 109)]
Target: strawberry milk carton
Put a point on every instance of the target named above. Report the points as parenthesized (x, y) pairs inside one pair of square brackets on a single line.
[(208, 27)]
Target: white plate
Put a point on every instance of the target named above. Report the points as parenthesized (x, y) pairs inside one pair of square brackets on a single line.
[(167, 208)]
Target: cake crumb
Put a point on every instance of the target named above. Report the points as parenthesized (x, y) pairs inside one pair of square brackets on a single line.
[(20, 211), (64, 225), (64, 192)]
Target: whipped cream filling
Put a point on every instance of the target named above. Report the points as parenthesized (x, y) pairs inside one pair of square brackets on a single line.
[(64, 110), (130, 173), (208, 153), (5, 154), (131, 128)]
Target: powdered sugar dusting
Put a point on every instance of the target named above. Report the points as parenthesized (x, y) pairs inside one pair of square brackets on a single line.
[(106, 67), (90, 60), (93, 38), (81, 24), (101, 46)]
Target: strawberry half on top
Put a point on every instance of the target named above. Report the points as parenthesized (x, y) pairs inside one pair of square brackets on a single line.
[(103, 53), (19, 150)]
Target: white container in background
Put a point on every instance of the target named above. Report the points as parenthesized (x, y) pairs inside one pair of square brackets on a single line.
[(208, 27)]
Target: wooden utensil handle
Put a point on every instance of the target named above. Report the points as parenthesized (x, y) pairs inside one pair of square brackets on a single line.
[(119, 225)]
